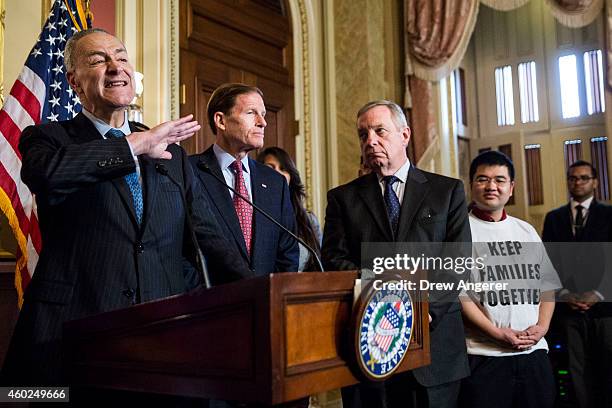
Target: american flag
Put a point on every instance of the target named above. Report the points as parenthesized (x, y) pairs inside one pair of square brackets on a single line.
[(387, 327), (40, 94)]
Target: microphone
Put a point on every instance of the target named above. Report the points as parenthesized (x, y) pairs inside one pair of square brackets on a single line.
[(161, 169), (204, 167)]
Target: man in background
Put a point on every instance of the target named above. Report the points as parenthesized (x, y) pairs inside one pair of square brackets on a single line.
[(585, 314), (236, 115)]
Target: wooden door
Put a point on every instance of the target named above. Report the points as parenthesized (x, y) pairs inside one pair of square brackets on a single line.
[(245, 41)]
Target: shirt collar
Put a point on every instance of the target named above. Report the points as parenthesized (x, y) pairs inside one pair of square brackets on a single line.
[(103, 127), (485, 215), (401, 173), (225, 159), (585, 204)]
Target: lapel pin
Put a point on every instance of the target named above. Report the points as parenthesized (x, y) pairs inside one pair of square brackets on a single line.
[(264, 186)]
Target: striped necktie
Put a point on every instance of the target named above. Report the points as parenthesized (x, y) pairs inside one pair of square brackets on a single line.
[(243, 210)]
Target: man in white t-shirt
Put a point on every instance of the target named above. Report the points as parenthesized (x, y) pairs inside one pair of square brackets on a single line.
[(506, 327)]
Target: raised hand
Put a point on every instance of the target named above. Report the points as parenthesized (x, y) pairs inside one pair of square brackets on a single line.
[(155, 141)]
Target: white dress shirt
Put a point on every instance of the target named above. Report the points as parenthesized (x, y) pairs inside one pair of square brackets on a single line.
[(398, 187), (225, 160)]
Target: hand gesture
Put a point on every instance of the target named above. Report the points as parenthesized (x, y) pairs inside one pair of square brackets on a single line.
[(155, 141)]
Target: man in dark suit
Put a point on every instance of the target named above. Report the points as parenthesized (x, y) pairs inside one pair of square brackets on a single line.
[(400, 203), (112, 226), (236, 116), (585, 314)]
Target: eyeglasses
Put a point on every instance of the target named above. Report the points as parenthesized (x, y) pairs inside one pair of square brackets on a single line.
[(484, 180), (574, 179)]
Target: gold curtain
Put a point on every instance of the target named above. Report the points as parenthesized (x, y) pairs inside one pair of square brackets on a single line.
[(504, 5), (437, 33), (575, 13)]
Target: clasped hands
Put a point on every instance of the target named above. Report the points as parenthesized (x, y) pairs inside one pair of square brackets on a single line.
[(520, 339), (155, 141), (581, 301)]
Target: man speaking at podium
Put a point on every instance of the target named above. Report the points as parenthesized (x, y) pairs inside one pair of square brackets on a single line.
[(399, 203), (112, 223)]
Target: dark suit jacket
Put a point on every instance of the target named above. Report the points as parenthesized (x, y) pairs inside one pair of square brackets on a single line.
[(598, 228), (273, 250), (95, 257), (581, 263), (433, 210)]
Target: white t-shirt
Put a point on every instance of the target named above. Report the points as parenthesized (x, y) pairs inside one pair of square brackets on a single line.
[(513, 254)]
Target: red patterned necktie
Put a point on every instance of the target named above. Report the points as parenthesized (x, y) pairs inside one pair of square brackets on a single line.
[(243, 210)]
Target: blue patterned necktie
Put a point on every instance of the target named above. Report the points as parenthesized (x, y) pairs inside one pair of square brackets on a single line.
[(392, 202), (132, 181)]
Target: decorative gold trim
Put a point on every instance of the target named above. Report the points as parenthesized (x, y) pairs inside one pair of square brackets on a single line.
[(174, 59), (307, 125), (119, 20), (140, 35), (2, 18)]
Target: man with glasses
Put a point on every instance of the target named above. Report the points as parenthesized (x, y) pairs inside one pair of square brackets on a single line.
[(505, 326), (585, 315)]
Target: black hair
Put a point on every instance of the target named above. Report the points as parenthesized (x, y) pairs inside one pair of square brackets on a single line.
[(305, 229), (580, 163), (491, 158)]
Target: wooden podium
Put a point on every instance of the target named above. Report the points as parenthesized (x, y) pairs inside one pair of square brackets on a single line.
[(267, 340)]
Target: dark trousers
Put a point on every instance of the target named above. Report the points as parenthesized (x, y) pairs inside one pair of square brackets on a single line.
[(521, 381), (89, 397), (401, 391), (589, 346), (301, 403)]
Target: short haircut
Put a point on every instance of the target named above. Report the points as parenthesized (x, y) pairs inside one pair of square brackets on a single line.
[(491, 158), (223, 100), (71, 46), (580, 163), (397, 113)]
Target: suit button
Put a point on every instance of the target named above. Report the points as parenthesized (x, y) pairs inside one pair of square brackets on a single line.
[(128, 293), (102, 163), (139, 248)]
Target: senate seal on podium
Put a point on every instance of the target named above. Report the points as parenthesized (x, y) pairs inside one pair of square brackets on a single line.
[(384, 330)]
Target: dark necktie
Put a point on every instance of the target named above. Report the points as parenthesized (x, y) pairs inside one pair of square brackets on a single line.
[(392, 202), (243, 210), (132, 181), (578, 221)]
